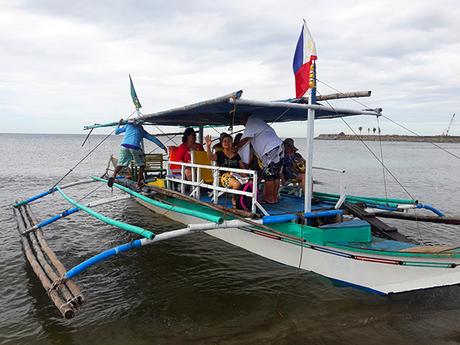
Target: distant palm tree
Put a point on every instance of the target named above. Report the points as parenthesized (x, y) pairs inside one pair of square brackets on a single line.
[(374, 129), (360, 129), (379, 131), (368, 131)]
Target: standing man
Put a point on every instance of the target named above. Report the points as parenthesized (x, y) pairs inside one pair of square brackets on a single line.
[(132, 149), (268, 148)]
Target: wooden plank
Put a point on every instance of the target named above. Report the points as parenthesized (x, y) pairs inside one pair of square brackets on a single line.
[(420, 218), (378, 227)]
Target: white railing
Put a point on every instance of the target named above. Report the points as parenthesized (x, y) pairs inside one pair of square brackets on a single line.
[(197, 182), (342, 186)]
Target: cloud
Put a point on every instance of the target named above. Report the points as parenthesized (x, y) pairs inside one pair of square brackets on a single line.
[(66, 63)]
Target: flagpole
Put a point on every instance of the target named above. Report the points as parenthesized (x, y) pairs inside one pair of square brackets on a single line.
[(308, 194)]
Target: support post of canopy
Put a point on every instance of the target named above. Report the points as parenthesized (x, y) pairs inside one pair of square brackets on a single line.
[(200, 134), (310, 136)]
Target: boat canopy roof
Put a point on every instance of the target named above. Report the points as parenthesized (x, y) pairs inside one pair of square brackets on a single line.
[(231, 108)]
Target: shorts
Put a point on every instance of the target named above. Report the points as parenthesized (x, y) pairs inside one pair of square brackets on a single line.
[(271, 163), (127, 155), (272, 171)]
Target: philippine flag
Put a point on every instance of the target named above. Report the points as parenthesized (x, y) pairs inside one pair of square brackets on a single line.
[(305, 54)]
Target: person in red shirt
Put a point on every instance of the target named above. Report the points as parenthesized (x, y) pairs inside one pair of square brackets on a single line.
[(183, 151)]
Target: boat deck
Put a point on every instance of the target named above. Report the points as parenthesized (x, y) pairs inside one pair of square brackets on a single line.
[(287, 204)]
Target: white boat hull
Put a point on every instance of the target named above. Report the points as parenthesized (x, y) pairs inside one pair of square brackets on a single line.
[(375, 273)]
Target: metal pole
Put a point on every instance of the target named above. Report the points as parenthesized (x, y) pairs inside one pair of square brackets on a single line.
[(310, 136), (200, 134)]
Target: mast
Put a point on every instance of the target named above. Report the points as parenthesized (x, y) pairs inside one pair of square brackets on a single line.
[(310, 136), (304, 67)]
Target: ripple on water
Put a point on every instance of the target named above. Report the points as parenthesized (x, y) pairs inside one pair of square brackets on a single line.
[(201, 290)]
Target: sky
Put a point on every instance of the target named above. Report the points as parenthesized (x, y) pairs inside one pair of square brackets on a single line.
[(65, 64)]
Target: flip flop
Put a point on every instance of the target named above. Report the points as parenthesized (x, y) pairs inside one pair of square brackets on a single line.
[(267, 202), (110, 182)]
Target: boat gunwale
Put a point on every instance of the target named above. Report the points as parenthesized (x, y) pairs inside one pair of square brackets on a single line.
[(306, 243)]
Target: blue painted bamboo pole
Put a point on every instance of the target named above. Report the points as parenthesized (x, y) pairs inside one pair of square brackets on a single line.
[(36, 197), (50, 191), (107, 254), (101, 257), (56, 217), (431, 208), (284, 218)]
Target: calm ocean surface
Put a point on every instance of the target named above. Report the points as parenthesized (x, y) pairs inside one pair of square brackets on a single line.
[(199, 290)]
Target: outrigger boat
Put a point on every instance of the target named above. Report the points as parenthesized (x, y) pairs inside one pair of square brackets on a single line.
[(338, 236)]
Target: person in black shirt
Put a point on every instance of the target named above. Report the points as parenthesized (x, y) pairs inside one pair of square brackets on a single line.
[(226, 158)]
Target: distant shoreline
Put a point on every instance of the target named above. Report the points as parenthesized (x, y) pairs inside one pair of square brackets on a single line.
[(391, 137)]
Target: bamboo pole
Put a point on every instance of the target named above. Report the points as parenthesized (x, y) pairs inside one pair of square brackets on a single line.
[(63, 307), (354, 94), (74, 289), (338, 95)]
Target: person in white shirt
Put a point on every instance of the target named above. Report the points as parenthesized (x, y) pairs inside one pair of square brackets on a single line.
[(268, 148)]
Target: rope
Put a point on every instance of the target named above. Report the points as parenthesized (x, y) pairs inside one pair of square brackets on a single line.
[(381, 157), (377, 158), (396, 123), (87, 155), (383, 167), (372, 152), (55, 284), (167, 136), (73, 302), (156, 148), (91, 192), (432, 143), (301, 216)]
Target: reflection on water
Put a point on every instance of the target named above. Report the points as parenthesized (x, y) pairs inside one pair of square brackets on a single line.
[(201, 290)]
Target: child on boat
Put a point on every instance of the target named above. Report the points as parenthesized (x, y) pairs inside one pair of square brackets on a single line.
[(132, 149), (183, 151), (227, 158)]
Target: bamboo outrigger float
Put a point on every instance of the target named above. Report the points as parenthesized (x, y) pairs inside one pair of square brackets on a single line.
[(339, 236)]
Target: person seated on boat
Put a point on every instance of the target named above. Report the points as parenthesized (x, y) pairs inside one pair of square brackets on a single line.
[(218, 146), (227, 158), (268, 148), (293, 164), (132, 149), (236, 142), (183, 151)]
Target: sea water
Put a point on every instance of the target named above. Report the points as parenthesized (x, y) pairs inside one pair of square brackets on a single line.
[(200, 290)]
